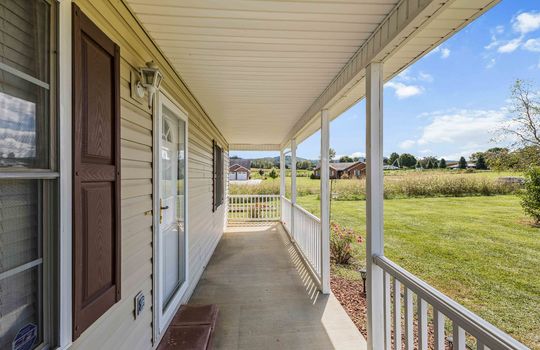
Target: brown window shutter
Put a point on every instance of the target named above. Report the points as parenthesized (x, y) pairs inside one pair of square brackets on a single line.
[(217, 176), (96, 173)]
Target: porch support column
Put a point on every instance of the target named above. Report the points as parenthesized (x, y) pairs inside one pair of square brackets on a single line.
[(325, 203), (282, 188), (374, 203), (293, 186)]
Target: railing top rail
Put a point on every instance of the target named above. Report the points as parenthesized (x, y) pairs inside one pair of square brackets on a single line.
[(488, 334), (307, 213), (254, 195), (286, 199)]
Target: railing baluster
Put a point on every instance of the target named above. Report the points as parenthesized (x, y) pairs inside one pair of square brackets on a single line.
[(397, 314), (387, 313), (422, 324), (438, 328), (458, 337), (409, 320)]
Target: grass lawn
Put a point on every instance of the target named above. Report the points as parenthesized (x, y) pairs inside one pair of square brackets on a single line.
[(478, 250)]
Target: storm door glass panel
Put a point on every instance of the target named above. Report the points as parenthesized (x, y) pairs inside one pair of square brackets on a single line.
[(172, 188), (24, 83)]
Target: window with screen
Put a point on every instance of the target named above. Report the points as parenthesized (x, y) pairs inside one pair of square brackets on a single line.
[(29, 173), (217, 176)]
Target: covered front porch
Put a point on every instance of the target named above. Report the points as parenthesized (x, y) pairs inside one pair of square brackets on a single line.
[(267, 298)]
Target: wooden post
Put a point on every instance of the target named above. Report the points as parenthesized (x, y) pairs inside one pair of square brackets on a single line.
[(325, 203), (374, 204), (293, 186)]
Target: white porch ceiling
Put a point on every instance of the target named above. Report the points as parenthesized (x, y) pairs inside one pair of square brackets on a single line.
[(260, 67)]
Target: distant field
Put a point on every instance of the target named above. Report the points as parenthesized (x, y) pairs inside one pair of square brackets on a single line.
[(398, 184), (480, 251)]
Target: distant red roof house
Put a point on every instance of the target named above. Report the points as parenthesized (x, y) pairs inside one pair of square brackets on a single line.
[(337, 170)]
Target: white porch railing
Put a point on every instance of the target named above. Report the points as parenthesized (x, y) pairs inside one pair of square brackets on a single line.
[(286, 210), (305, 232), (254, 208), (468, 330)]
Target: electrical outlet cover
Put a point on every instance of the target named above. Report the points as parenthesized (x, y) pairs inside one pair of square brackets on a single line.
[(139, 304)]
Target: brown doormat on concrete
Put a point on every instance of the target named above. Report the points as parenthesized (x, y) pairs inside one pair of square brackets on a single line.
[(192, 328)]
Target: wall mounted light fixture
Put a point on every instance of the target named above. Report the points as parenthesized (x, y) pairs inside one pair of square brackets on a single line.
[(150, 80)]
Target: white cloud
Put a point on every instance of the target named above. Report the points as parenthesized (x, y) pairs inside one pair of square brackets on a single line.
[(465, 131), (407, 144), (358, 154), (510, 46), (526, 22), (405, 91), (491, 63), (445, 53), (532, 45), (425, 77)]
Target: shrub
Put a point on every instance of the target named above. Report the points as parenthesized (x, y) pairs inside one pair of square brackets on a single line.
[(345, 176), (530, 198), (273, 174), (341, 244)]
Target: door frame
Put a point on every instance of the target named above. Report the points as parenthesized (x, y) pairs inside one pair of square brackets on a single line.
[(161, 319)]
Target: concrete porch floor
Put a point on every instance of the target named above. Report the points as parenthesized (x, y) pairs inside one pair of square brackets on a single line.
[(266, 297)]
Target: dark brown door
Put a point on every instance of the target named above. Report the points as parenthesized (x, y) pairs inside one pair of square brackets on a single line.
[(96, 173)]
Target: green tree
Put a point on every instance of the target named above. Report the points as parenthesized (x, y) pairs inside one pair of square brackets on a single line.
[(530, 199), (442, 163), (393, 157), (407, 160), (462, 163), (273, 174), (331, 154), (261, 172), (481, 162), (345, 159)]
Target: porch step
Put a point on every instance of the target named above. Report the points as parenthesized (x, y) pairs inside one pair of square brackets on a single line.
[(192, 328)]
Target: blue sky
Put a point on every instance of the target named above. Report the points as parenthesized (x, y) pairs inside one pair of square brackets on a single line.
[(450, 102)]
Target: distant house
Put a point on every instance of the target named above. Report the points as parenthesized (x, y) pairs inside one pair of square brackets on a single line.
[(239, 169), (469, 166), (337, 170)]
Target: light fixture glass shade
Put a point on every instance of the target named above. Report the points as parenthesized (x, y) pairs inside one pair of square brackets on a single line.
[(151, 79)]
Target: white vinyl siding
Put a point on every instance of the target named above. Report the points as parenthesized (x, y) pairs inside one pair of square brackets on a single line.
[(117, 329)]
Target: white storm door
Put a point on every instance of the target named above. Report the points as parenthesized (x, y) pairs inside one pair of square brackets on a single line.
[(171, 232)]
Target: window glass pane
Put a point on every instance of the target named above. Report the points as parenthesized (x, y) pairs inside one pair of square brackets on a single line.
[(20, 265), (24, 83), (20, 306), (25, 44), (19, 223)]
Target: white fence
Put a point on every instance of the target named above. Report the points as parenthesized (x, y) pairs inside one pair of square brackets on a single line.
[(254, 208), (433, 309)]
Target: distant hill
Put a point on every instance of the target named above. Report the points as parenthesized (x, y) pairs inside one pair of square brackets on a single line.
[(258, 162)]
